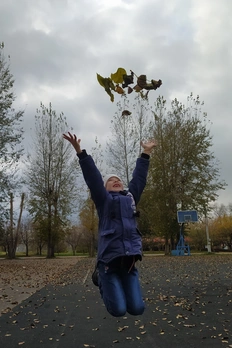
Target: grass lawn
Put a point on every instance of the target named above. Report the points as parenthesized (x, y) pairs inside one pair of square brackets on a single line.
[(21, 254)]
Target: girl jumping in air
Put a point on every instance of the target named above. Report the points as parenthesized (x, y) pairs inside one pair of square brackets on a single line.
[(119, 240)]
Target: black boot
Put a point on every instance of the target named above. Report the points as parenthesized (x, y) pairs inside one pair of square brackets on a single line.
[(95, 277)]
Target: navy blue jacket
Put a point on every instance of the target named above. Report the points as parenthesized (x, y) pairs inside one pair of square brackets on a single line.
[(118, 234)]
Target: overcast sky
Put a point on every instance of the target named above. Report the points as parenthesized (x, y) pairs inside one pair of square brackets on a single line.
[(58, 46)]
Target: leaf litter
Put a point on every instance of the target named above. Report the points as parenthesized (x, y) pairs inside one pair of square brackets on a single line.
[(196, 301)]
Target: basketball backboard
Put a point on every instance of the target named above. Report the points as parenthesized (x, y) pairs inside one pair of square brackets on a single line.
[(185, 216)]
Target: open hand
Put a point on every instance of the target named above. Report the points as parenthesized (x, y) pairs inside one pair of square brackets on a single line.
[(148, 146), (72, 138)]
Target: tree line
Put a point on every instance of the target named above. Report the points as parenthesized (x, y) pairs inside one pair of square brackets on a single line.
[(184, 173)]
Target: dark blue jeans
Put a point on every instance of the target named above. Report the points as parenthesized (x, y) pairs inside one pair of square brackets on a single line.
[(120, 290)]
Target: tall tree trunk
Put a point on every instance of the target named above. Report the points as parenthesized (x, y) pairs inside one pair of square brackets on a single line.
[(166, 247), (50, 246), (19, 222), (12, 246), (27, 250)]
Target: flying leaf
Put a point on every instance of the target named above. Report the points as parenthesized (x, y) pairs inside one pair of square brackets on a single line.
[(111, 97), (153, 85), (142, 81), (118, 76), (137, 88), (108, 84), (142, 84), (119, 90), (128, 79), (101, 80), (126, 113)]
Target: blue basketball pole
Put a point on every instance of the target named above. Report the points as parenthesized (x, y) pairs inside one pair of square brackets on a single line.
[(184, 216), (182, 248)]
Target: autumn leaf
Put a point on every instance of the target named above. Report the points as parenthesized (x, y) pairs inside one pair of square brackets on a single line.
[(128, 80), (119, 90), (142, 81), (126, 113), (101, 80), (153, 85), (107, 84), (118, 76), (143, 84), (137, 88), (120, 329)]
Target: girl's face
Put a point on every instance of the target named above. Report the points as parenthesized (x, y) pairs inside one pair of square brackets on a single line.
[(114, 184)]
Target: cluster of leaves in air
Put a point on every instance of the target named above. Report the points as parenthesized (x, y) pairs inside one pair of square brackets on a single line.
[(119, 82)]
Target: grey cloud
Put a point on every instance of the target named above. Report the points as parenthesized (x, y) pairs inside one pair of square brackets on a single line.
[(57, 47)]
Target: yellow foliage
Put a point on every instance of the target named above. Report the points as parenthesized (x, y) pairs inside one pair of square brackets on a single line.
[(118, 76)]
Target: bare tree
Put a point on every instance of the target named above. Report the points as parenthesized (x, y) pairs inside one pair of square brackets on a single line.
[(13, 232), (26, 233), (39, 235), (73, 237), (121, 148), (51, 176), (128, 130), (11, 133)]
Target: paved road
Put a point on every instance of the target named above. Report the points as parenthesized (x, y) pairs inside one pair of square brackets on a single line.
[(188, 304)]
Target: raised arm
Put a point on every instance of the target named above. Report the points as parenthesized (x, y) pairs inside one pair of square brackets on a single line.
[(139, 177), (90, 172)]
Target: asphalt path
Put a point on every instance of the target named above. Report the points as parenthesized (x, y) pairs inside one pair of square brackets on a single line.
[(188, 304)]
